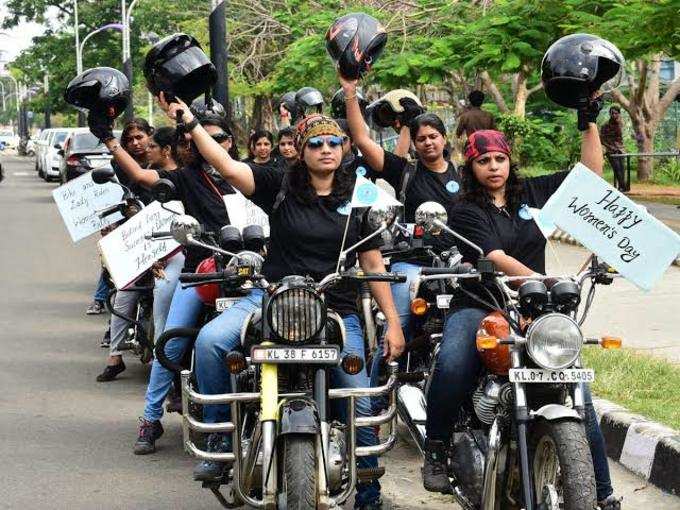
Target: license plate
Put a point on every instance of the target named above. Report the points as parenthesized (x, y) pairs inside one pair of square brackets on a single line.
[(535, 375), (98, 163), (309, 354), (444, 301), (221, 304)]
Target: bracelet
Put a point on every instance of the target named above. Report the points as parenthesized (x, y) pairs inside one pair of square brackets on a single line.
[(191, 125), (347, 98), (114, 148)]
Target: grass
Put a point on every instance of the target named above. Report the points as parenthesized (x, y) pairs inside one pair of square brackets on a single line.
[(644, 384)]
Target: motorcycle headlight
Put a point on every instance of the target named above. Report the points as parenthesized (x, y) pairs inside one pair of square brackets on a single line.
[(296, 315), (554, 341)]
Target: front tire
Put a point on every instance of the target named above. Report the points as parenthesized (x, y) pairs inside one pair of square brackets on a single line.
[(298, 476), (560, 458)]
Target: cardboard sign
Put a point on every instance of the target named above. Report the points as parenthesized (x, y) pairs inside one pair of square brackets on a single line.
[(612, 226), (79, 202), (242, 212), (125, 251)]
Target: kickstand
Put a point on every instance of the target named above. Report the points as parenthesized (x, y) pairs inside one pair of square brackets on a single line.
[(231, 500)]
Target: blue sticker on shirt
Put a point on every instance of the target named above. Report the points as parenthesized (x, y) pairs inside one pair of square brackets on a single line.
[(361, 171), (452, 187), (345, 209), (524, 212)]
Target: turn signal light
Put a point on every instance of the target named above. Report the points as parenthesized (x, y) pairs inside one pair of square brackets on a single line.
[(236, 362), (352, 364), (486, 342), (419, 306), (611, 342)]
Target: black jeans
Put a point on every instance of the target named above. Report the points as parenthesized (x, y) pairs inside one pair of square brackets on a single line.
[(619, 173)]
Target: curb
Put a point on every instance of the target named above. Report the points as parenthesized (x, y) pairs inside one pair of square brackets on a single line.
[(563, 237), (647, 448)]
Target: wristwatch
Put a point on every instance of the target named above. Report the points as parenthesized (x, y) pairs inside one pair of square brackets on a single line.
[(191, 125)]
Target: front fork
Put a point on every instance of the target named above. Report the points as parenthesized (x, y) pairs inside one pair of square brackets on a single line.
[(522, 419), (269, 414)]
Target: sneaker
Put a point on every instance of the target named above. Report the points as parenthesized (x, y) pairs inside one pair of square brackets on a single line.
[(149, 432), (110, 372), (95, 308), (174, 404), (611, 502), (106, 339), (208, 470), (435, 474)]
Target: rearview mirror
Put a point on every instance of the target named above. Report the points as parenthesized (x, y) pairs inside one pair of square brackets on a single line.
[(379, 215), (57, 146), (184, 228), (103, 175), (431, 216), (164, 191)]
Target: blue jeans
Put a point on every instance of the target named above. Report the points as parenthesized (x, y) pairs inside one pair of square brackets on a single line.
[(102, 291), (164, 290), (455, 377), (222, 334), (185, 310), (402, 302)]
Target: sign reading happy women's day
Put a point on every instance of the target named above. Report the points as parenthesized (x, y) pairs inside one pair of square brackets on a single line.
[(612, 226), (126, 252), (79, 202)]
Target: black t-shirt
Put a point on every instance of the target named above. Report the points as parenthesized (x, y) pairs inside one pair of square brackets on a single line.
[(140, 191), (514, 232), (272, 164), (305, 239), (201, 200), (423, 185)]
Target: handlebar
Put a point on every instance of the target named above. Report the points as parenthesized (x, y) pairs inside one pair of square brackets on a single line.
[(161, 234), (204, 277), (108, 211), (457, 269), (377, 277)]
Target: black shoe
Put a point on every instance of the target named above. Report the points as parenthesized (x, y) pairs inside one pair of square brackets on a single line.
[(435, 474), (110, 372), (174, 404), (95, 308), (208, 470), (149, 432), (106, 340), (373, 505)]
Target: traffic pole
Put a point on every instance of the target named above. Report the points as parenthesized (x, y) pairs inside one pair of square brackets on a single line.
[(127, 60), (48, 112), (218, 52)]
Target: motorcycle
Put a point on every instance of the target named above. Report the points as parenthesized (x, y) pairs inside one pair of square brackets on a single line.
[(519, 440), (288, 452), (139, 336)]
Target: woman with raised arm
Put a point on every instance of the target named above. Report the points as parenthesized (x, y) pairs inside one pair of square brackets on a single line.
[(307, 226)]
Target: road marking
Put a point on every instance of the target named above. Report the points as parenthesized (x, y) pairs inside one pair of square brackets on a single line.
[(20, 174)]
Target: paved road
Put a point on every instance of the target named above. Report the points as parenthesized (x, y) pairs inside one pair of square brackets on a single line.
[(65, 440)]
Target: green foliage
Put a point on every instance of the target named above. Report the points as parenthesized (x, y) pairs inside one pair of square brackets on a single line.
[(551, 142), (668, 173)]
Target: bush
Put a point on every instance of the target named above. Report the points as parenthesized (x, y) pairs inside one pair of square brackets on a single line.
[(550, 142), (668, 173)]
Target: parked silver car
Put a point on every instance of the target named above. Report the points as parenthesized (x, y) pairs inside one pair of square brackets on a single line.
[(82, 152)]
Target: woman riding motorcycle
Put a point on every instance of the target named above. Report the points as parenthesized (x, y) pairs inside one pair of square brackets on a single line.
[(494, 214), (313, 214), (201, 192)]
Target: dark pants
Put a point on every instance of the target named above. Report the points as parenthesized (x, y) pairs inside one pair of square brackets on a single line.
[(619, 173), (455, 376)]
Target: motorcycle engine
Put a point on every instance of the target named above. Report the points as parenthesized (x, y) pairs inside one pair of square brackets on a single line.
[(489, 395), (337, 457)]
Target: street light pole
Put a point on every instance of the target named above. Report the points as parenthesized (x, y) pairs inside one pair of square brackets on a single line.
[(46, 85), (126, 13), (218, 52), (79, 56), (2, 89)]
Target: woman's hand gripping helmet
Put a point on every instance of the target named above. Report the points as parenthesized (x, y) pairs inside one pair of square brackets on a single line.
[(177, 66), (354, 42), (102, 89), (397, 105), (577, 66)]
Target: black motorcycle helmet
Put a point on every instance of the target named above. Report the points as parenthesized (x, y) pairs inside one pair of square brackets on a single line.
[(338, 108), (354, 42), (385, 111), (177, 66), (578, 65), (100, 88), (288, 102), (309, 100), (201, 108)]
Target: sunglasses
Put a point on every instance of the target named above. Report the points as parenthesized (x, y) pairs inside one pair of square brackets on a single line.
[(220, 137), (316, 142)]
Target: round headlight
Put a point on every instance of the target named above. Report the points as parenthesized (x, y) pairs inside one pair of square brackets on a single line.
[(296, 315), (554, 341)]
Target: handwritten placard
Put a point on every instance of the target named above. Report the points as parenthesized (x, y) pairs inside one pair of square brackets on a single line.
[(242, 212), (612, 226), (79, 202), (127, 254)]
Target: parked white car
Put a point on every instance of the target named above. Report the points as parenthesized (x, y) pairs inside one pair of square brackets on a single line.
[(51, 155), (8, 139), (40, 147)]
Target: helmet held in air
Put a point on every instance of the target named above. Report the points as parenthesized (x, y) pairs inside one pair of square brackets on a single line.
[(338, 107), (354, 42), (578, 65), (177, 66), (309, 100), (101, 88), (288, 102), (397, 105)]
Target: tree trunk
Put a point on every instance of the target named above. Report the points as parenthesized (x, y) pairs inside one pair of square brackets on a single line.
[(492, 89), (258, 107), (521, 95)]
